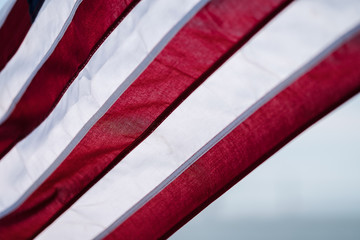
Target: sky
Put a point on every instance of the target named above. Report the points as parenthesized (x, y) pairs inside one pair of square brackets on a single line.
[(310, 189), (2, 2)]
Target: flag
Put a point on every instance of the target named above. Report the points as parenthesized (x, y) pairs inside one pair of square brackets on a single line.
[(124, 119), (17, 24)]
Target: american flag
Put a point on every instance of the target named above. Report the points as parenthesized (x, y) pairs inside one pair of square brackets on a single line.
[(123, 119)]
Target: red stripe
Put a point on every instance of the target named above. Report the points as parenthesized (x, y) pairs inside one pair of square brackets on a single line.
[(91, 25), (201, 46), (333, 81), (13, 31)]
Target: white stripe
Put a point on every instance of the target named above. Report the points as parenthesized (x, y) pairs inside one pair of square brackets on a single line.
[(5, 10), (294, 37), (118, 59), (42, 38)]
